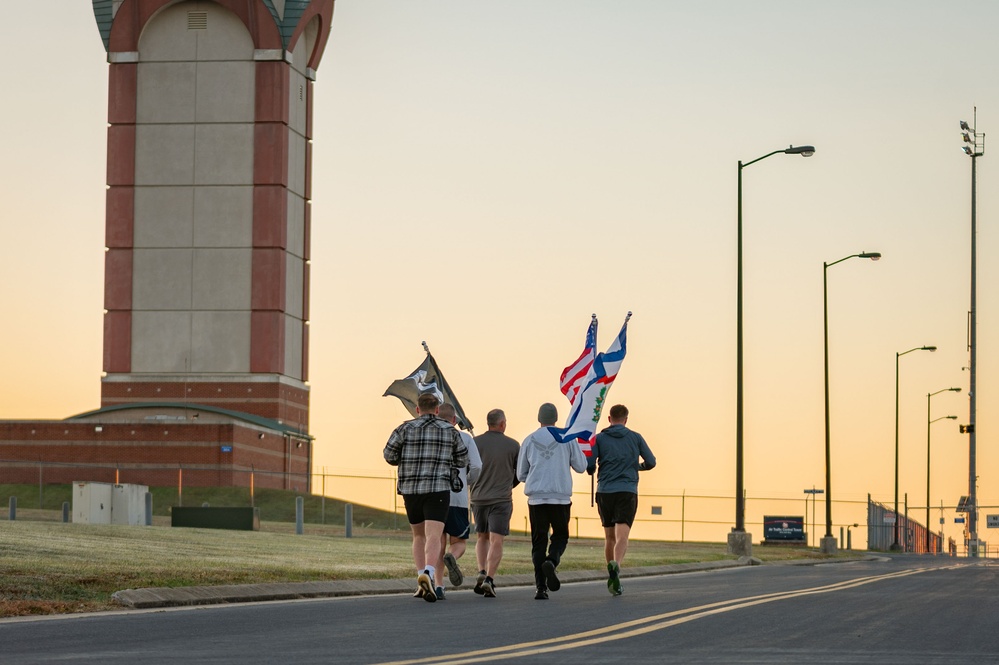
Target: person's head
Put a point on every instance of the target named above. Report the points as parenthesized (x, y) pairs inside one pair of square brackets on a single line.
[(618, 415), (427, 403), (447, 413), (496, 420), (547, 414)]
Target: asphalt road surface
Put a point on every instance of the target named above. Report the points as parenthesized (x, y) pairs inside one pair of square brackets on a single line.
[(904, 609)]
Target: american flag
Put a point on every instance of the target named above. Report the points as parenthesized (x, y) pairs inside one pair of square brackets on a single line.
[(573, 376), (586, 383)]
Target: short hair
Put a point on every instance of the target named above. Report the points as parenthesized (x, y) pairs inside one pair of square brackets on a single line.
[(428, 403), (495, 417), (446, 412), (618, 412)]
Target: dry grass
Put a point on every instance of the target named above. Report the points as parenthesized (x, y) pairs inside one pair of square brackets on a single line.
[(49, 567)]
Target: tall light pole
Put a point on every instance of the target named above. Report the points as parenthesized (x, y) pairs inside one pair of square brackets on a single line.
[(895, 546), (739, 542), (974, 147), (828, 544), (928, 423)]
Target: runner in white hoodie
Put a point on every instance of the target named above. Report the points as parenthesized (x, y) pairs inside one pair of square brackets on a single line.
[(544, 468)]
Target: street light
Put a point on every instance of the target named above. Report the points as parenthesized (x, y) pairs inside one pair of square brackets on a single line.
[(739, 542), (828, 543), (928, 423), (895, 546), (974, 147)]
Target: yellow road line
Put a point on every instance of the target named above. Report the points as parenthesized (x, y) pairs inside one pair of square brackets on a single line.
[(636, 627)]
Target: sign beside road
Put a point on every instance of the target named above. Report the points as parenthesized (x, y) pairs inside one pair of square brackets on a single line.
[(958, 520), (992, 521), (889, 518)]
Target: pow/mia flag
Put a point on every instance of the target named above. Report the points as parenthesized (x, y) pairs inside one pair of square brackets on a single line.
[(427, 378)]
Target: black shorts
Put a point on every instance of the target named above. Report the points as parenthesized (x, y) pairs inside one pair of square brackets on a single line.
[(457, 523), (617, 508), (423, 507)]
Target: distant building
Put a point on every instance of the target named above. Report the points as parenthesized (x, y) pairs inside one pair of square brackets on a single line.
[(207, 265)]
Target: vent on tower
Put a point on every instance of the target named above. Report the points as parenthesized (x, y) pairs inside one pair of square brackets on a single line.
[(197, 20)]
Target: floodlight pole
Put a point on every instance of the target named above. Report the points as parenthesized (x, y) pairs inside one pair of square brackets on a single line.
[(977, 149)]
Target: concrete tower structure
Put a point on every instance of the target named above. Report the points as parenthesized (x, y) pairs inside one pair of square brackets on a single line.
[(209, 183), (206, 285)]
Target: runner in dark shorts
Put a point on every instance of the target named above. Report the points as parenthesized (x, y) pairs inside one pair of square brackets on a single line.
[(617, 508), (617, 455)]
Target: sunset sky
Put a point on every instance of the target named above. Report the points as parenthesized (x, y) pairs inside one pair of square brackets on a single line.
[(488, 175)]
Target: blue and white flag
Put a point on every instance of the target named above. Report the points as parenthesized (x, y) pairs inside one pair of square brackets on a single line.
[(586, 383)]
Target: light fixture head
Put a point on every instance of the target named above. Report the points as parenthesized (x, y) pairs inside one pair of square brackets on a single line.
[(873, 256), (929, 348), (965, 127), (951, 417), (954, 390), (967, 150), (803, 150)]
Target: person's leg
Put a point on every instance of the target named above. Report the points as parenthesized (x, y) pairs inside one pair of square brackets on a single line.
[(457, 547), (495, 555), (419, 546), (560, 532), (539, 541), (482, 550), (621, 534), (558, 519), (439, 570), (610, 541), (432, 549)]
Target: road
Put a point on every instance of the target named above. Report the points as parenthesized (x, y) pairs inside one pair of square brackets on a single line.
[(904, 609)]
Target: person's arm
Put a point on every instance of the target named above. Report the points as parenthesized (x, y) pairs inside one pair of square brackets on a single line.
[(648, 459), (591, 461), (523, 463), (474, 460), (516, 461), (393, 449), (577, 460), (459, 452)]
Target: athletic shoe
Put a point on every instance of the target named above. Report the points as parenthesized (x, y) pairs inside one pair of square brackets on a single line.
[(542, 594), (488, 590), (548, 569), (479, 581), (427, 586), (439, 592), (614, 578), (453, 571)]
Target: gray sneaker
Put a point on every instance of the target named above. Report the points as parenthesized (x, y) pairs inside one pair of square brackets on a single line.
[(453, 571), (479, 582), (488, 590), (439, 592)]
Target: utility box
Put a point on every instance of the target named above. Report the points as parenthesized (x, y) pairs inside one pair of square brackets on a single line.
[(245, 518), (106, 503), (92, 503), (128, 504)]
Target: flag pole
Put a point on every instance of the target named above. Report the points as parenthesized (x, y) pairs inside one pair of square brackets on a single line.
[(427, 348)]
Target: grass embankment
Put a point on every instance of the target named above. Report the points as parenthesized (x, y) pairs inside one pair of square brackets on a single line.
[(49, 567)]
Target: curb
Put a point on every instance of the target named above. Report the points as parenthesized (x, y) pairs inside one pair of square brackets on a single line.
[(249, 593)]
